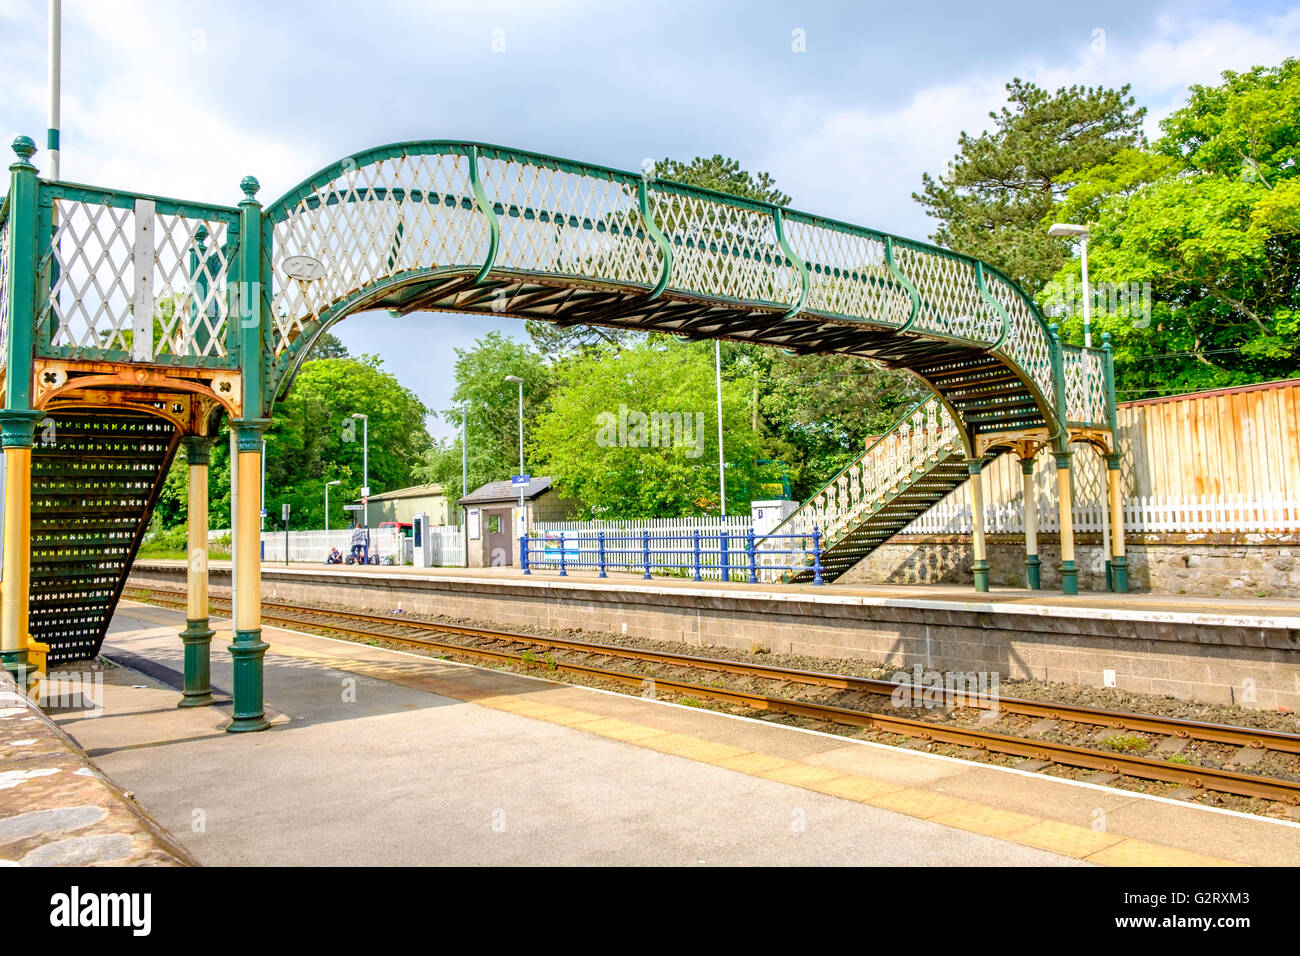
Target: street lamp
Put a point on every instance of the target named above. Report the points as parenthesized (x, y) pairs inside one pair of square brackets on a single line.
[(365, 467), (1069, 230), (336, 481), (520, 382), (464, 450)]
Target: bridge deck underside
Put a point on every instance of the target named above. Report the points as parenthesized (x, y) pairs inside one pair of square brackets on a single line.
[(984, 392)]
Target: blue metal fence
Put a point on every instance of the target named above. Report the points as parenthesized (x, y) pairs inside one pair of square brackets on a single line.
[(725, 555)]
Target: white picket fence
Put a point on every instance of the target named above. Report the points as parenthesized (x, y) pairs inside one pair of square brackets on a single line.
[(447, 546), (1153, 514), (314, 546)]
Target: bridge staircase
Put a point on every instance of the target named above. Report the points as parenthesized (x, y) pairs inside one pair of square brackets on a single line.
[(896, 480), (96, 476)]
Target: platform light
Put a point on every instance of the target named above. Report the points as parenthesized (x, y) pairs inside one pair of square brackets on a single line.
[(1071, 230)]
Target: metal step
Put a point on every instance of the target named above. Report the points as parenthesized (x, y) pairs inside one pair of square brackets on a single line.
[(94, 486)]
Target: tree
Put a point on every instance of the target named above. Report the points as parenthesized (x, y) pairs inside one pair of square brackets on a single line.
[(313, 439), (493, 409), (1206, 225), (633, 433), (329, 346), (1002, 184)]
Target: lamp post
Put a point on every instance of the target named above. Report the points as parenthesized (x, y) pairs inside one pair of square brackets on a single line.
[(365, 468), (336, 481), (722, 461), (1072, 230), (464, 450), (520, 382)]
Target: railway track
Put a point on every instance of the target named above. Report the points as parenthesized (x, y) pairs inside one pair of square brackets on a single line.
[(585, 659)]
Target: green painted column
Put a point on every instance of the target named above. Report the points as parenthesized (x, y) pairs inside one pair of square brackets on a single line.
[(197, 636), (981, 565), (1033, 569), (248, 648), (17, 419), (1065, 503)]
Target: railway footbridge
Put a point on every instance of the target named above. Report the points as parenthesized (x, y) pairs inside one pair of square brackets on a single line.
[(131, 324)]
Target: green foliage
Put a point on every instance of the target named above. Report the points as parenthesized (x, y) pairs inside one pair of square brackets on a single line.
[(312, 440), (493, 409), (1001, 186), (724, 175), (600, 454), (1209, 219)]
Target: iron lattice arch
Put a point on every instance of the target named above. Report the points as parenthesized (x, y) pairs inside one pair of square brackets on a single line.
[(442, 226)]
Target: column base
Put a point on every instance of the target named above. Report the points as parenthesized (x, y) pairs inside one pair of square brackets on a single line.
[(197, 638), (981, 571), (249, 714), (1033, 573), (1069, 578), (15, 662), (1119, 574)]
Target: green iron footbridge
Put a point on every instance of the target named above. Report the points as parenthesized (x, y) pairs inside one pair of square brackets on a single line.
[(130, 322)]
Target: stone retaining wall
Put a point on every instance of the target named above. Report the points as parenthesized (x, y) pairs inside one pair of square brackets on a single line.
[(1207, 565)]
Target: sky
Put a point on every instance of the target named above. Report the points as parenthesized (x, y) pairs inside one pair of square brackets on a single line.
[(845, 103)]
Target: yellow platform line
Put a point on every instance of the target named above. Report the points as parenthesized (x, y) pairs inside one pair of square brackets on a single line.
[(1065, 839)]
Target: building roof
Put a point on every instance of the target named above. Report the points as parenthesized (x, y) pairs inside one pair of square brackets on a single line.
[(495, 491), (415, 491)]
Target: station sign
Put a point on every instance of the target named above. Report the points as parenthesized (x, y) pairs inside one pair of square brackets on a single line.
[(352, 507), (520, 480)]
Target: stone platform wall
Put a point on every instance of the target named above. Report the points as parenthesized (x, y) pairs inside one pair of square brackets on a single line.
[(1213, 658)]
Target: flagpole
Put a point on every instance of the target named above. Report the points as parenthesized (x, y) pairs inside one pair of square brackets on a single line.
[(56, 44)]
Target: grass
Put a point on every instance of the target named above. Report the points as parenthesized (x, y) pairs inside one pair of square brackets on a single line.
[(1128, 743)]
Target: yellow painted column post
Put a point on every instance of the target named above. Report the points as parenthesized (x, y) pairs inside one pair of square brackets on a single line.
[(248, 648), (1065, 503), (976, 483), (197, 636), (16, 570), (1118, 559), (1033, 569)]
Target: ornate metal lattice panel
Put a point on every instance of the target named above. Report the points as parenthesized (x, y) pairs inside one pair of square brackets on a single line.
[(848, 273), (724, 251), (1027, 344), (95, 478), (565, 223), (951, 302), (369, 224), (1085, 386), (134, 278)]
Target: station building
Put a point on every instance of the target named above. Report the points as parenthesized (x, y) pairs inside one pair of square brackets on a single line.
[(492, 522)]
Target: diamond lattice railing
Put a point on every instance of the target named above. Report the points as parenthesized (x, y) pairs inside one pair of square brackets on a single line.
[(369, 224), (400, 213), (1085, 386), (871, 480), (109, 255)]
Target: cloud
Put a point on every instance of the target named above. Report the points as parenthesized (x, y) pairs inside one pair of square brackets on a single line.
[(863, 164)]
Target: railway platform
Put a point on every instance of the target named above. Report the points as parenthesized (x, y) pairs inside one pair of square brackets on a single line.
[(1221, 650), (377, 756)]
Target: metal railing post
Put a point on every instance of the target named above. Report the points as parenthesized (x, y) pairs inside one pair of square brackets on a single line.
[(817, 556), (724, 559), (600, 551), (564, 570), (696, 534), (645, 553), (523, 553), (753, 558)]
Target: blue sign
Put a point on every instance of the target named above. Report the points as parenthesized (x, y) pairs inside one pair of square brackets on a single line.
[(520, 479)]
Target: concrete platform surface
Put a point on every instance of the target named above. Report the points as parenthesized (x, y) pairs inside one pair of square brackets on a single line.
[(381, 757)]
